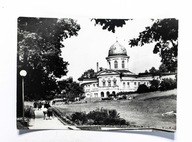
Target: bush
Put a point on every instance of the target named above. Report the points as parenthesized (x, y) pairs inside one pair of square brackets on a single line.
[(122, 97), (168, 84), (79, 117), (108, 98), (124, 93), (154, 85), (29, 112), (142, 88), (99, 117)]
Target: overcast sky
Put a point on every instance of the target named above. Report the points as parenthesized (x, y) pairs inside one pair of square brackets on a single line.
[(92, 45)]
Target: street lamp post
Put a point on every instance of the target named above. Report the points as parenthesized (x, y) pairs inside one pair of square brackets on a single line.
[(23, 73)]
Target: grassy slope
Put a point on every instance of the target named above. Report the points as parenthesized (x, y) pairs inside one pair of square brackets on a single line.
[(145, 110)]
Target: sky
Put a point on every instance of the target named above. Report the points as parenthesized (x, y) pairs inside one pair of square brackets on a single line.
[(92, 45)]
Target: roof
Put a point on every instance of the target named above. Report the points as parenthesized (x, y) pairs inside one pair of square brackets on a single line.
[(119, 72), (117, 49), (156, 74)]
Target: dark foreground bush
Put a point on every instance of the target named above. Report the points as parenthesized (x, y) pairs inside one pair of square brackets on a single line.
[(29, 112), (99, 117), (79, 117), (142, 89)]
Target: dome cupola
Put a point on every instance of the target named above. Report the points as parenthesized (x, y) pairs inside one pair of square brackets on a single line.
[(117, 49), (117, 57)]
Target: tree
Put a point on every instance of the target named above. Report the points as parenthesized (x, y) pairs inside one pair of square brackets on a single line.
[(110, 24), (165, 33), (72, 88), (39, 53), (168, 84), (146, 71), (153, 70), (154, 85), (163, 68), (88, 74)]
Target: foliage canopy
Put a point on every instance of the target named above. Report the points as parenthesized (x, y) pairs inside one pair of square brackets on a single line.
[(39, 53)]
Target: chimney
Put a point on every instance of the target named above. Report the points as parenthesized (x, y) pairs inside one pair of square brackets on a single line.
[(97, 66)]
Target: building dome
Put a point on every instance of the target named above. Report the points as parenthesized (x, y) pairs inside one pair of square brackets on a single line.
[(117, 49)]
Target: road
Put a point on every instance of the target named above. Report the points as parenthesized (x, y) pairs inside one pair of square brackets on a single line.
[(54, 123)]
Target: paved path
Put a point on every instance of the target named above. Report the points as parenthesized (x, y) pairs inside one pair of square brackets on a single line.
[(54, 123)]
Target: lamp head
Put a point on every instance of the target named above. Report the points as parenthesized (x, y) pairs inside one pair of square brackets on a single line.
[(23, 73)]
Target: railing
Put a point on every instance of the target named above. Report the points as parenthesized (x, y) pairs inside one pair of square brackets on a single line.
[(62, 117)]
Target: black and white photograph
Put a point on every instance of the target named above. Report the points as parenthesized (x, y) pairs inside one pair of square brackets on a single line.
[(97, 74)]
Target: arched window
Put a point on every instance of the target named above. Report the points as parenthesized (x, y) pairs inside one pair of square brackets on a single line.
[(108, 93), (116, 64), (123, 64), (109, 65), (102, 94), (103, 83), (123, 84), (113, 93), (115, 82), (128, 84), (109, 83)]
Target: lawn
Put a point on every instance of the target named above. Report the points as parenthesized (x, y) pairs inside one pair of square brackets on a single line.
[(145, 110)]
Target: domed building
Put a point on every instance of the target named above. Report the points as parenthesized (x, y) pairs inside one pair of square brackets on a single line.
[(117, 77), (117, 58)]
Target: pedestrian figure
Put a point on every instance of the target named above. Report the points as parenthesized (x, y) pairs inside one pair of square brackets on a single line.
[(39, 105), (45, 112), (35, 104), (50, 112)]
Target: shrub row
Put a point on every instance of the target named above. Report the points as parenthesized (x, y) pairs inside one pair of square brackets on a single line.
[(165, 84), (98, 117)]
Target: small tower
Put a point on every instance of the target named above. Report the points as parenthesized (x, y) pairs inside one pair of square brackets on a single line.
[(117, 58)]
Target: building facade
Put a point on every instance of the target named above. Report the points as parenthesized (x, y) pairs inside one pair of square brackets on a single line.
[(117, 77)]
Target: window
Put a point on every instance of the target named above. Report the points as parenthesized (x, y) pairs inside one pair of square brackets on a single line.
[(109, 83), (123, 64), (103, 82), (135, 83), (128, 84), (102, 94), (113, 93), (115, 82), (108, 94), (123, 84), (116, 64)]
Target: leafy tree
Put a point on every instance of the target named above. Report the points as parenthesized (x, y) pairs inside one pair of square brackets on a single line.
[(146, 71), (39, 53), (168, 84), (165, 33), (72, 88), (88, 74), (110, 24), (153, 70), (163, 68), (154, 85)]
